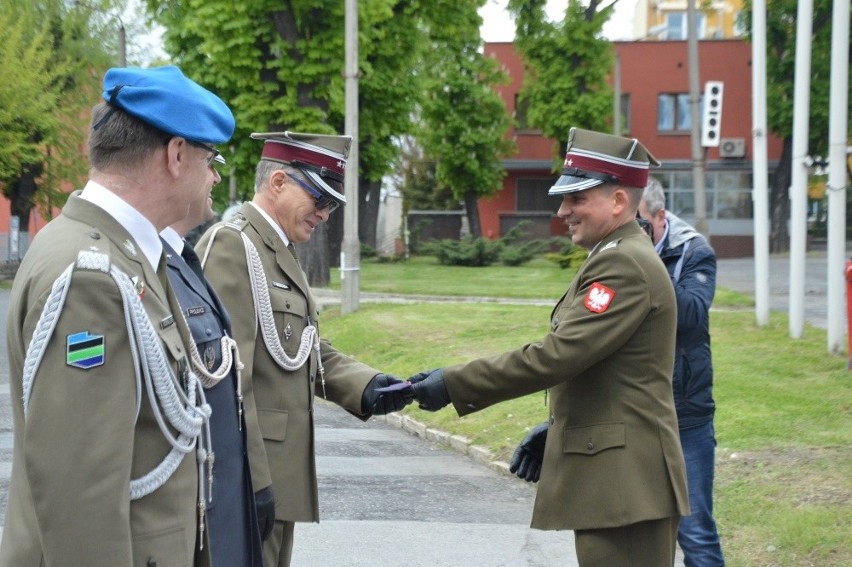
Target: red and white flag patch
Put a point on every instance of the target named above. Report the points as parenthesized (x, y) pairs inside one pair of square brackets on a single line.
[(598, 298)]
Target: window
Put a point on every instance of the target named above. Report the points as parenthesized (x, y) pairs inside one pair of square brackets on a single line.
[(727, 194), (521, 111), (673, 113), (531, 195), (676, 25)]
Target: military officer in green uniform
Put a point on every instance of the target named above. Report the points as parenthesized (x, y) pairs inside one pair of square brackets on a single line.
[(609, 457), (250, 261), (107, 413)]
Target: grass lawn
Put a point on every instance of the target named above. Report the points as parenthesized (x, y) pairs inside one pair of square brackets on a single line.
[(784, 417)]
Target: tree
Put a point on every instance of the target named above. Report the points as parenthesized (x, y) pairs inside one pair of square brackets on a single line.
[(280, 66), (464, 117), (415, 177), (781, 18), (50, 63), (566, 67)]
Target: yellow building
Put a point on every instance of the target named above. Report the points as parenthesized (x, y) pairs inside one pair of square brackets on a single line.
[(666, 19)]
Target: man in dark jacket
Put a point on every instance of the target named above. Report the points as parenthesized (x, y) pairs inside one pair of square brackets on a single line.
[(691, 263)]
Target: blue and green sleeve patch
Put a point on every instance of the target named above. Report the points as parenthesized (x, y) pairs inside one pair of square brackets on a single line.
[(84, 350)]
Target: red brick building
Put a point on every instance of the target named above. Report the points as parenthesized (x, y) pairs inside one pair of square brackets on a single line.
[(655, 109)]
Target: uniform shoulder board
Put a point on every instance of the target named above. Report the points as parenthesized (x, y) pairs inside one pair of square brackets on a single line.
[(93, 261), (237, 222), (609, 245)]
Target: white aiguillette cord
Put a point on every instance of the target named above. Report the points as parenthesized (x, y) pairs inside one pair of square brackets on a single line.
[(185, 411), (265, 319)]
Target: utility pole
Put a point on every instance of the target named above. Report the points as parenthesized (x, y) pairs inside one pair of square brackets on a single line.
[(350, 255), (699, 205), (122, 44)]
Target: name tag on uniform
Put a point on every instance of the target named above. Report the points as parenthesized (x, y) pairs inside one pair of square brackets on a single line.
[(192, 311)]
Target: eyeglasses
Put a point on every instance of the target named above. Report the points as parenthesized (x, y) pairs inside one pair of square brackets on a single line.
[(215, 155), (321, 200)]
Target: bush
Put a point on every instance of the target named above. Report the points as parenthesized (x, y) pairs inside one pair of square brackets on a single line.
[(468, 251), (569, 255), (514, 251)]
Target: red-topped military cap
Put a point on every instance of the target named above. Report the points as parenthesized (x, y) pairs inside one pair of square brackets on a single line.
[(321, 157), (593, 158)]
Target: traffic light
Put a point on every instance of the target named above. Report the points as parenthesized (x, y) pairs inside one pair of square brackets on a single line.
[(711, 119)]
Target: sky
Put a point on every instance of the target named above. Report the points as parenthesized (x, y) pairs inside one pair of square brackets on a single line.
[(498, 25)]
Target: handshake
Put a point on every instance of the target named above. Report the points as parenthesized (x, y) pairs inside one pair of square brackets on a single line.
[(385, 393)]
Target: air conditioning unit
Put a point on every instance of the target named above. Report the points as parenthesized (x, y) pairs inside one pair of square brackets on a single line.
[(732, 148)]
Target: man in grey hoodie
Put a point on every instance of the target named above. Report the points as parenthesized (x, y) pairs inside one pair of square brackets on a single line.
[(691, 263)]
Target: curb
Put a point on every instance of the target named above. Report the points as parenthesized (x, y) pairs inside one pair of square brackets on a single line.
[(457, 443)]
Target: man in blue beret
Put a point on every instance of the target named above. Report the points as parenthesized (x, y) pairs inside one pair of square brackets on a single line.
[(110, 453)]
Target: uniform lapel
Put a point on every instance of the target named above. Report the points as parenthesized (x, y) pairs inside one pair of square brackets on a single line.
[(285, 260)]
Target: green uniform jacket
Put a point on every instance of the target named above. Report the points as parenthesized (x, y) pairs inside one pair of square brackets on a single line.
[(82, 442), (613, 456), (280, 401)]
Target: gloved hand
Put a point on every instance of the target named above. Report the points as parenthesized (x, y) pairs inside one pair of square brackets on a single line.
[(264, 501), (381, 403), (526, 462), (429, 389)]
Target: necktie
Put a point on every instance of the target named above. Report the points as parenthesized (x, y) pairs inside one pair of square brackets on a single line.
[(191, 258)]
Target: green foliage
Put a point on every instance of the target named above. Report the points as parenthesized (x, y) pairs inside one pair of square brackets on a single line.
[(29, 91), (516, 249), (414, 175), (569, 254), (566, 68), (465, 121), (280, 66), (470, 251), (52, 56), (512, 249)]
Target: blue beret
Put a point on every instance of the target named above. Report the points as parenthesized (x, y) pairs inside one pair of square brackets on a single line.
[(166, 99)]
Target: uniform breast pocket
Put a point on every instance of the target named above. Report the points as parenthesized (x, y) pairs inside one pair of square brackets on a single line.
[(167, 548), (290, 310), (593, 439), (207, 333)]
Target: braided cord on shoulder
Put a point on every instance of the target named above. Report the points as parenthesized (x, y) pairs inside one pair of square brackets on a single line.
[(184, 406)]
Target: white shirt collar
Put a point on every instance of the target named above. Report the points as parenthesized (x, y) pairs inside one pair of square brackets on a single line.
[(173, 239), (140, 228), (274, 224)]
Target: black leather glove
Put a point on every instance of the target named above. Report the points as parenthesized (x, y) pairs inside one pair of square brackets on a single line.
[(429, 389), (381, 403), (264, 501), (526, 462)]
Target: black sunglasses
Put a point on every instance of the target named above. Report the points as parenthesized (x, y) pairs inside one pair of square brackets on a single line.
[(321, 200)]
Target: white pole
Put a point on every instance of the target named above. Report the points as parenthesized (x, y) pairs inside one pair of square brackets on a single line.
[(350, 256), (799, 178), (837, 142), (699, 204), (760, 196)]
